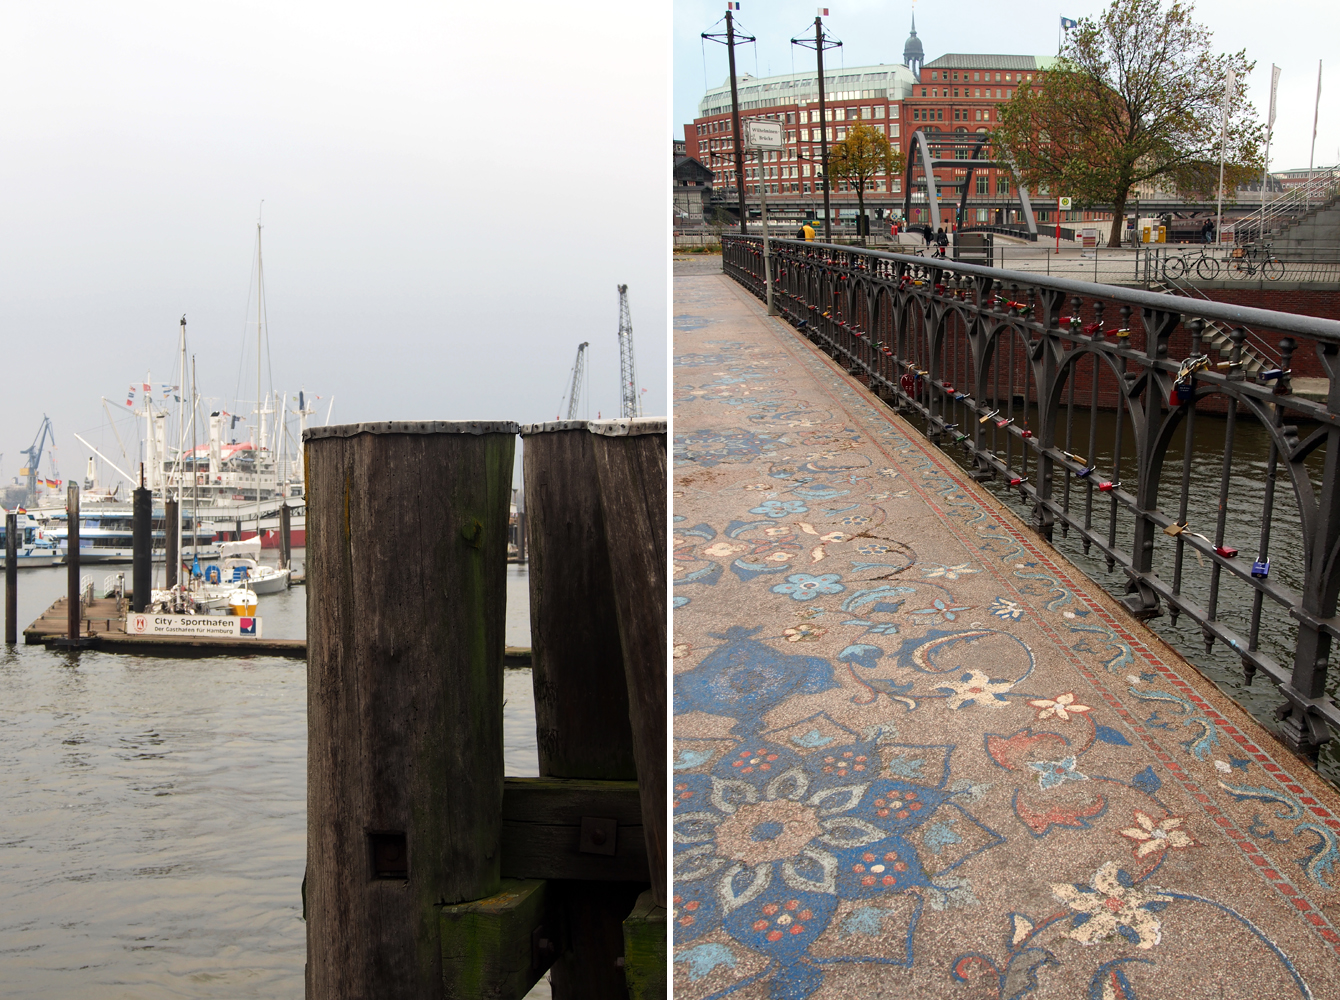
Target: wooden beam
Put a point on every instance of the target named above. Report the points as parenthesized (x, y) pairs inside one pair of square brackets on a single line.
[(495, 947), (644, 950), (542, 830)]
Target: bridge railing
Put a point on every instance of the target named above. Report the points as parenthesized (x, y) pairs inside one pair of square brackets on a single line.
[(1215, 492)]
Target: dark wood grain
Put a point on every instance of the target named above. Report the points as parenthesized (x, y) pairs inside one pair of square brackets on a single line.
[(406, 563), (581, 695), (632, 470)]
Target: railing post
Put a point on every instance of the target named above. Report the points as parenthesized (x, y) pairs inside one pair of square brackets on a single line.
[(404, 690), (1301, 727)]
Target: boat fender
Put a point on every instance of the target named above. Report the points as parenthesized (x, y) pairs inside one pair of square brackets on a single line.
[(212, 574)]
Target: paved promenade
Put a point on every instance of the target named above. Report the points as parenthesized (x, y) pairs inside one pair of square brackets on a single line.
[(917, 754)]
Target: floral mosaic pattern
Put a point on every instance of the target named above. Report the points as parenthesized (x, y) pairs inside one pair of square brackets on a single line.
[(914, 759)]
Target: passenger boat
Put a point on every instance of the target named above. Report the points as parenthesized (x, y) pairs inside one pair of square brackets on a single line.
[(106, 533), (34, 546)]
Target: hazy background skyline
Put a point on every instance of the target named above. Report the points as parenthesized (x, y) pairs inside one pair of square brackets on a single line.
[(873, 31), (436, 244)]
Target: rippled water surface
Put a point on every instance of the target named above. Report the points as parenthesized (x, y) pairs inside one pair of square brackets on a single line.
[(153, 827)]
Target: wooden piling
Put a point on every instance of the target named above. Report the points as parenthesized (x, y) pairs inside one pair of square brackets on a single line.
[(285, 536), (581, 696), (72, 562), (171, 512), (11, 578), (630, 459), (405, 646), (142, 548)]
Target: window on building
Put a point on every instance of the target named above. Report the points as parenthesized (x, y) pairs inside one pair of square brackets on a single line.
[(940, 114), (935, 92), (867, 113), (893, 131), (804, 170), (879, 111), (935, 75), (956, 92), (841, 134), (1030, 77), (1002, 184), (983, 184), (897, 185), (997, 77), (923, 91), (979, 116), (805, 188)]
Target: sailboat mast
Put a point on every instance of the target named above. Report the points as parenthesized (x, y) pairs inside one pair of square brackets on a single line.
[(181, 433), (195, 475), (256, 453)]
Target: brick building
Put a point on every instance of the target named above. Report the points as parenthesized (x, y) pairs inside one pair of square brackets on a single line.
[(956, 94)]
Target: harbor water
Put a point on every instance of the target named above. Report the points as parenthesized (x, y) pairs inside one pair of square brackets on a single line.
[(152, 838)]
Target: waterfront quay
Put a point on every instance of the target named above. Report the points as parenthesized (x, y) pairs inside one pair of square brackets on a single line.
[(917, 752)]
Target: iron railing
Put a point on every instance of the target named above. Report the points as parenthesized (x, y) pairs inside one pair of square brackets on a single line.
[(1082, 417)]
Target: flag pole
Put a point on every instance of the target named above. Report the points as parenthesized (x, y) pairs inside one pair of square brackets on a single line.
[(1270, 131), (1312, 156), (1223, 140)]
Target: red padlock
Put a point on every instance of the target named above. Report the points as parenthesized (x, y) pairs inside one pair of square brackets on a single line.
[(1226, 551), (1018, 481), (1108, 487)]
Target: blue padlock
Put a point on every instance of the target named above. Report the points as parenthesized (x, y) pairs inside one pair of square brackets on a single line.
[(1084, 472), (1261, 568)]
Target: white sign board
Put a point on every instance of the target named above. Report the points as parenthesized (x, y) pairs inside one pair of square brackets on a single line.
[(763, 135), (1064, 204), (194, 626)]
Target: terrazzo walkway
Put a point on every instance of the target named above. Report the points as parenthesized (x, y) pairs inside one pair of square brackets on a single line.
[(917, 754)]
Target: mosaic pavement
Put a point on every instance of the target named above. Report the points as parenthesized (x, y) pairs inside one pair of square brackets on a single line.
[(918, 755)]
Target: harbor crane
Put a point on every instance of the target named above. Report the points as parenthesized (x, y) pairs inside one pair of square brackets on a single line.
[(578, 374), (34, 454), (629, 404)]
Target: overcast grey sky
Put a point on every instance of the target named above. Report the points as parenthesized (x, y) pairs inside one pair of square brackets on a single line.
[(451, 194), (1293, 36)]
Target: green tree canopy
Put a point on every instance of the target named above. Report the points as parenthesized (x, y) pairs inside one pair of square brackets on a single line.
[(858, 158), (1135, 98)]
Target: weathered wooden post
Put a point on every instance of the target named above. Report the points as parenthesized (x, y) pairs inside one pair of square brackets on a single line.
[(404, 668), (171, 512), (11, 578), (285, 536), (581, 697), (630, 458), (142, 548), (72, 562)]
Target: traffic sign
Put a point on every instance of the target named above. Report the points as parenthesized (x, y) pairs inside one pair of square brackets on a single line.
[(1064, 204)]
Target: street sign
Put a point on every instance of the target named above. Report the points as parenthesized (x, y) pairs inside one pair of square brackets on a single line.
[(206, 626), (1064, 204), (763, 135)]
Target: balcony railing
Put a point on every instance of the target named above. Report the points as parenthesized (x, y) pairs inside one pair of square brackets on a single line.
[(1098, 411)]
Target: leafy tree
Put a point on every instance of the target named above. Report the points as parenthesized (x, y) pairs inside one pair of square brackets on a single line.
[(1136, 97), (865, 152)]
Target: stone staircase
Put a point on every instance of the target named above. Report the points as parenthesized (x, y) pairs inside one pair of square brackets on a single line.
[(1256, 355)]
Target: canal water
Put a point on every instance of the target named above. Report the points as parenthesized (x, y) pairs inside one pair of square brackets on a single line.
[(1278, 631), (153, 828)]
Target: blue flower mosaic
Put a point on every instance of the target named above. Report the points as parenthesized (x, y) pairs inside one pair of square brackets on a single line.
[(803, 587)]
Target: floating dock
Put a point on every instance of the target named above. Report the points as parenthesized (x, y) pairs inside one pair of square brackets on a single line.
[(104, 624)]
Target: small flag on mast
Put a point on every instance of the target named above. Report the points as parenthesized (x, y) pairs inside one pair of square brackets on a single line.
[(1067, 24), (823, 11), (1274, 85), (732, 6)]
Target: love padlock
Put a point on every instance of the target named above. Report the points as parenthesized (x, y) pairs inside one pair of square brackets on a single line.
[(982, 420), (1182, 393), (1004, 423), (1107, 487), (1093, 327), (1083, 473), (1261, 568), (1226, 551), (1018, 481), (1025, 433)]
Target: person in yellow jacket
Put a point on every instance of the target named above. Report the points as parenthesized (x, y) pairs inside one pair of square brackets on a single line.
[(809, 232)]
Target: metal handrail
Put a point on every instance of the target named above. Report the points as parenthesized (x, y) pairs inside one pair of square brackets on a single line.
[(959, 346)]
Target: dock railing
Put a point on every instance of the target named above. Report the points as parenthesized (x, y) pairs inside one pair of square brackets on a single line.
[(1086, 399)]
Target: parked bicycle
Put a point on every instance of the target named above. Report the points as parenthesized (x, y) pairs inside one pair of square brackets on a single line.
[(1246, 261), (1206, 266)]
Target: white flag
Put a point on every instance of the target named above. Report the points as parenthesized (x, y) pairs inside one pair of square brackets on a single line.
[(1274, 85), (1229, 87)]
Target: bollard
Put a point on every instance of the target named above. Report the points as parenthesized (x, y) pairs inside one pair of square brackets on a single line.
[(285, 536), (630, 460), (142, 543), (72, 562), (581, 696), (11, 578), (406, 576), (171, 511)]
